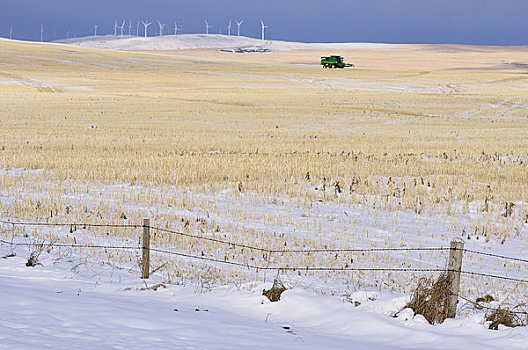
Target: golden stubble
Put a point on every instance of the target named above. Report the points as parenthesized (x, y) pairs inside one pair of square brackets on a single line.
[(146, 134)]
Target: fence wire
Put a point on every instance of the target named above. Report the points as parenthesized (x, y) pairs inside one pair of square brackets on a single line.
[(66, 245), (271, 251), (290, 251), (495, 255), (493, 309), (15, 223)]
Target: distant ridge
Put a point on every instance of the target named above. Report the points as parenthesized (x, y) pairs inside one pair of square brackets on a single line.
[(205, 41)]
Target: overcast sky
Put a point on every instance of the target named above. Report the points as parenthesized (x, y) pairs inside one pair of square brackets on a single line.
[(490, 22)]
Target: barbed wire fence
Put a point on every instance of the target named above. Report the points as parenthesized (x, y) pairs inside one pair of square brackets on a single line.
[(453, 269)]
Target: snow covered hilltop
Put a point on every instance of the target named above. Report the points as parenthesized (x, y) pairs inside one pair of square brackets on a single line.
[(205, 41)]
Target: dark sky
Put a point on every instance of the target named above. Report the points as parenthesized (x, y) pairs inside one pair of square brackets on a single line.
[(491, 22)]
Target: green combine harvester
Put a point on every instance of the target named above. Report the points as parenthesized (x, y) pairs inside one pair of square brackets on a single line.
[(334, 62)]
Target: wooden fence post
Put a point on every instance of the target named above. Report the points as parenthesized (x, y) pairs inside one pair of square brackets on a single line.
[(454, 267), (145, 262)]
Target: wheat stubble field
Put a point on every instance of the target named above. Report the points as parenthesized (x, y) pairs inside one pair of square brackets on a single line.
[(415, 146)]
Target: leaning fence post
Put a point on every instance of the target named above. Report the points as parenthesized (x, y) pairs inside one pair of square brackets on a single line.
[(454, 266), (146, 249)]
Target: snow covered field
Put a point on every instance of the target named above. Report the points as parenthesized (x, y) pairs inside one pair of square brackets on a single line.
[(82, 297), (66, 303)]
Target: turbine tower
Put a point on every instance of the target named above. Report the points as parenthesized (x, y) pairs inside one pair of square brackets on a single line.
[(207, 26), (129, 27), (121, 28), (238, 26), (229, 28), (115, 27), (175, 28), (11, 32), (161, 26), (95, 29), (137, 29), (41, 33), (263, 27), (146, 26)]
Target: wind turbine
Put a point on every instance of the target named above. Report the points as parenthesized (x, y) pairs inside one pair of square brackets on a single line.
[(229, 28), (207, 26), (11, 32), (161, 26), (263, 27), (41, 33), (238, 26), (137, 29), (175, 28), (146, 26), (95, 29), (115, 27), (129, 27), (121, 28)]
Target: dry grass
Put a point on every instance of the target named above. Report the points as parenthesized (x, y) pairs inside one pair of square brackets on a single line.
[(113, 135), (274, 293), (506, 317), (430, 299)]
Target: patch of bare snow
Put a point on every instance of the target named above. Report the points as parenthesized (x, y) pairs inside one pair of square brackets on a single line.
[(59, 306)]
